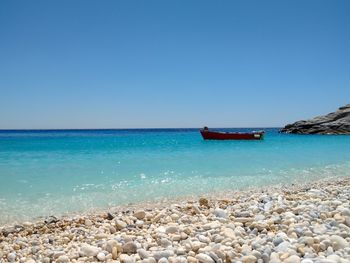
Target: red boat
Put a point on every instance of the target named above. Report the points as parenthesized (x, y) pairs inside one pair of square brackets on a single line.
[(214, 135)]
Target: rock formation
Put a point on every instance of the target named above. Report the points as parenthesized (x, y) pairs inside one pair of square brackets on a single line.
[(337, 122)]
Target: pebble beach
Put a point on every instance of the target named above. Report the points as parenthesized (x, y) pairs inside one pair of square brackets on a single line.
[(291, 223)]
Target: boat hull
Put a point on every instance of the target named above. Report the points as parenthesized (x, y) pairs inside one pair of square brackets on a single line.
[(212, 135)]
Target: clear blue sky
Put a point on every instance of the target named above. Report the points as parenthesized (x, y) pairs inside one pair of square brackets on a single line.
[(114, 64)]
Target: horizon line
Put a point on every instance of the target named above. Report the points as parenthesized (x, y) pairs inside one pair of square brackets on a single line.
[(140, 128)]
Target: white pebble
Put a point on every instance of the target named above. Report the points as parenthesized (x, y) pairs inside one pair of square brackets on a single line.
[(101, 256)]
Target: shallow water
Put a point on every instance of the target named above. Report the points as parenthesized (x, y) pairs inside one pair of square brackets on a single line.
[(64, 171)]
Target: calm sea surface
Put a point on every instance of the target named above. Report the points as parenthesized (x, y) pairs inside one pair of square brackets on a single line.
[(65, 171)]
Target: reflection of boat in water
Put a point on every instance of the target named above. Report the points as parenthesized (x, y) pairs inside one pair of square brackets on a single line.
[(216, 135)]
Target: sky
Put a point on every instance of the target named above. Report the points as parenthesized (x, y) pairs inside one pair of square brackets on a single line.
[(181, 63)]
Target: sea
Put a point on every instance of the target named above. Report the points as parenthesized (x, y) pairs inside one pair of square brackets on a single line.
[(60, 172)]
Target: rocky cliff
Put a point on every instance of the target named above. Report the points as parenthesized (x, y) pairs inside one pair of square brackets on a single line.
[(337, 122)]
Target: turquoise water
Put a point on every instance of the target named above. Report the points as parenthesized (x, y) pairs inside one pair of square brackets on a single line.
[(65, 171)]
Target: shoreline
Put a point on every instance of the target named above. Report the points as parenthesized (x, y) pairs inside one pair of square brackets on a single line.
[(158, 202), (280, 223)]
